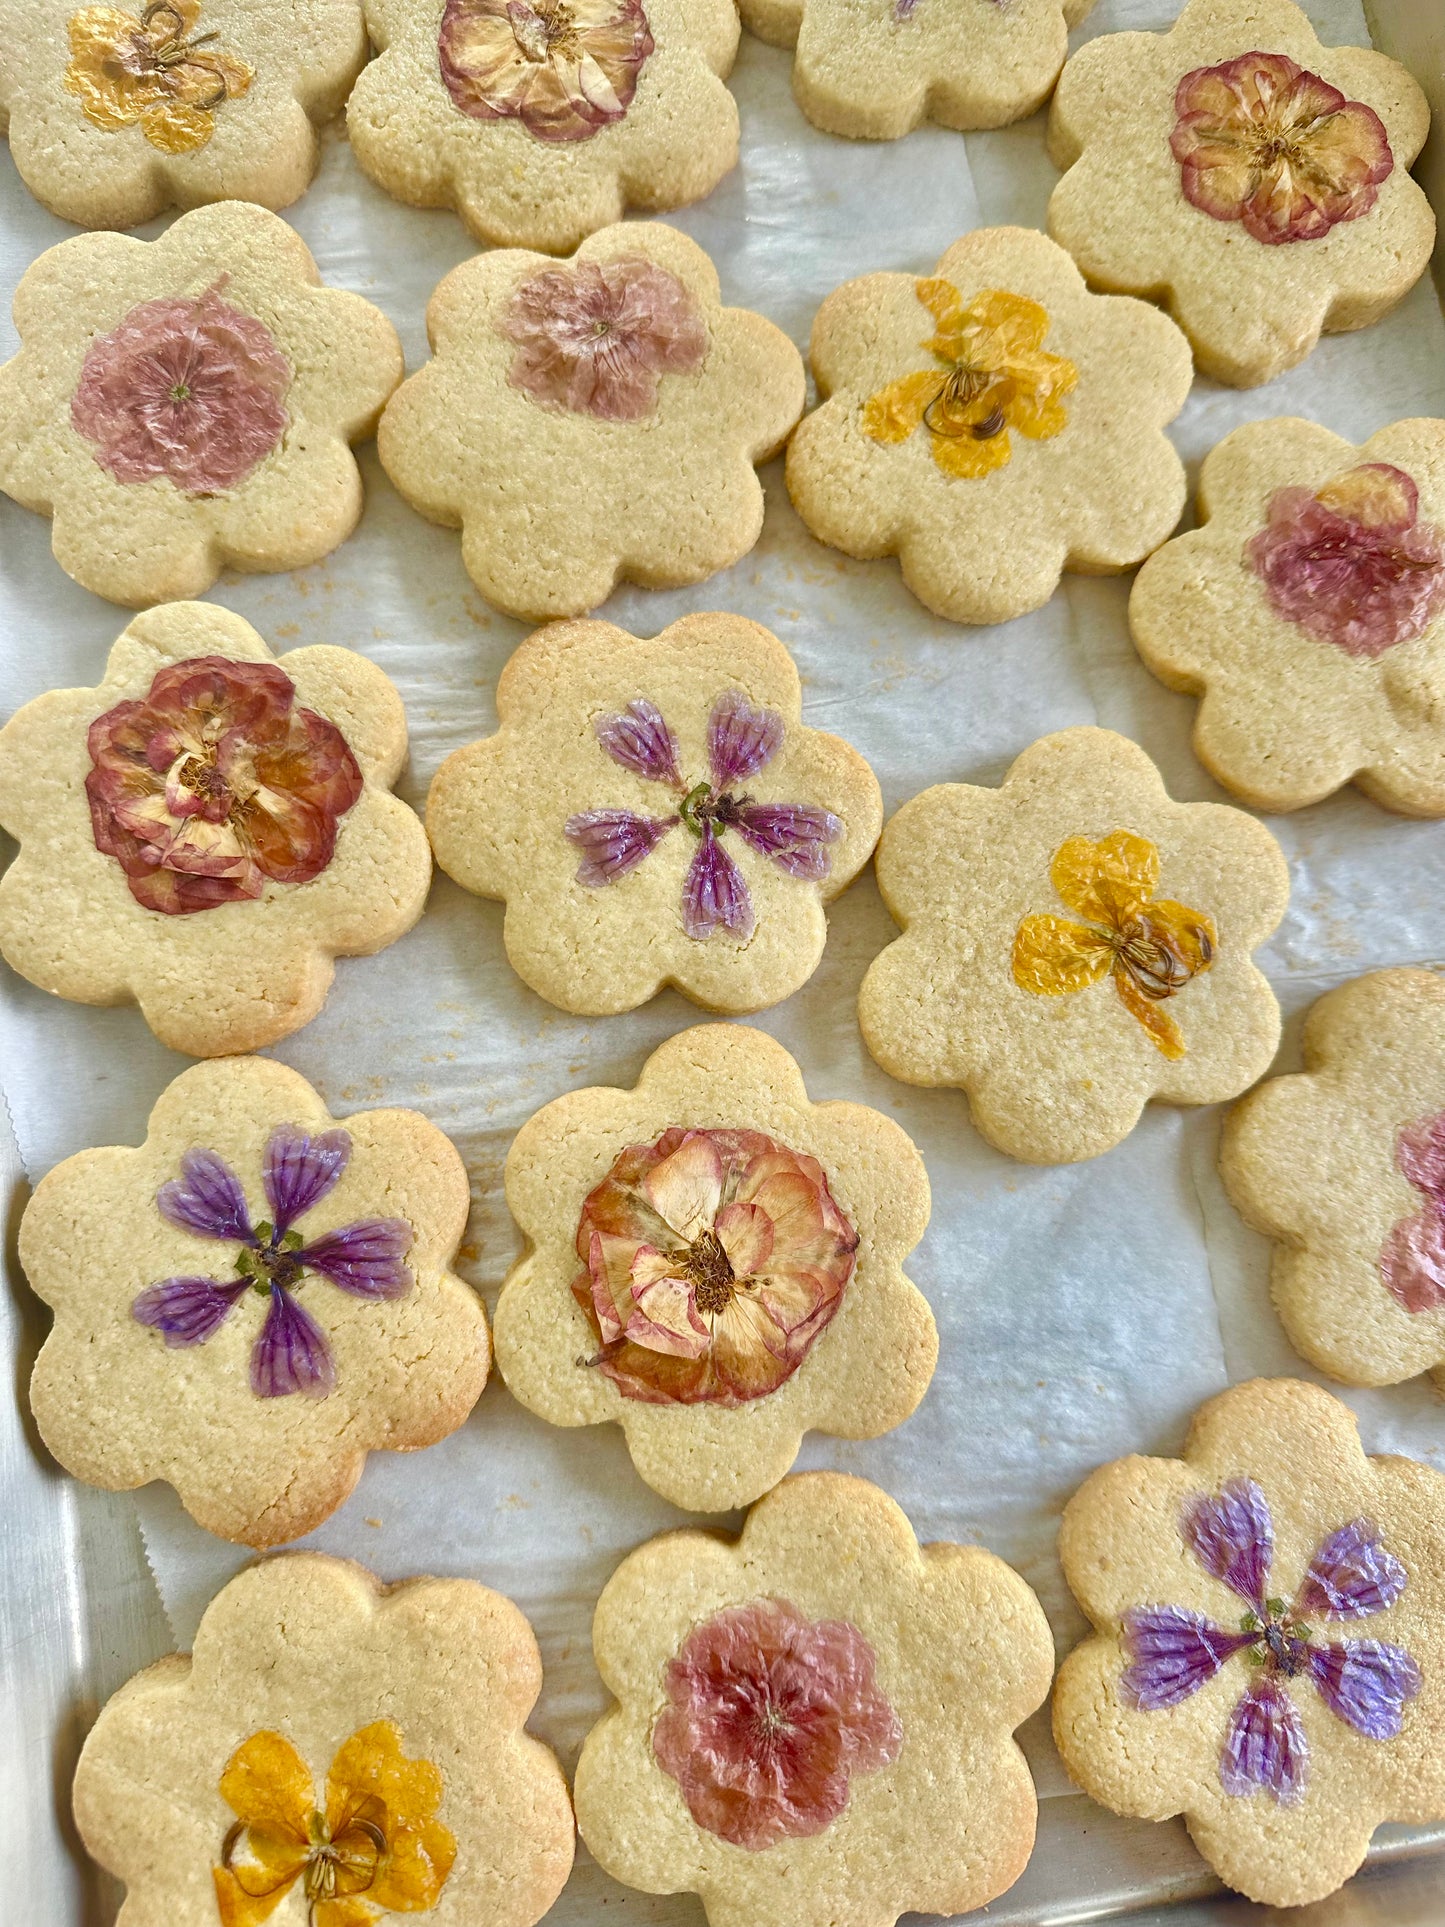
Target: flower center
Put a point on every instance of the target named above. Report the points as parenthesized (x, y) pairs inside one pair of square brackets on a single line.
[(1152, 961), (345, 1866), (711, 1271), (545, 31), (703, 805), (1282, 1642), (953, 411), (271, 1262), (180, 391)]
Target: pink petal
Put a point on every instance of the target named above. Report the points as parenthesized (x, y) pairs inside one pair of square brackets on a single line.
[(1412, 1262), (741, 740), (666, 1319), (686, 1188), (613, 842), (638, 737), (746, 1232)]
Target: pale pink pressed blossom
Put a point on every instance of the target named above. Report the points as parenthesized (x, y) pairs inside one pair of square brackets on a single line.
[(1412, 1264), (564, 68), (595, 338), (187, 389), (769, 1716)]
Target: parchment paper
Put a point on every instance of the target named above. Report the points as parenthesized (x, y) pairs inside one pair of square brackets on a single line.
[(1084, 1311)]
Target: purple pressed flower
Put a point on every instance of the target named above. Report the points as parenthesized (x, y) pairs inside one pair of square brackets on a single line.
[(1233, 1537), (292, 1354), (1264, 1745), (741, 740), (186, 1311), (613, 842), (1412, 1263), (1351, 1576), (641, 741), (206, 1198), (1366, 1683), (714, 895)]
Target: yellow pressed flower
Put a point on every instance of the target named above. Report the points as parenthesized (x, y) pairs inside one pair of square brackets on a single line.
[(376, 1848), (1150, 946), (997, 377), (127, 68)]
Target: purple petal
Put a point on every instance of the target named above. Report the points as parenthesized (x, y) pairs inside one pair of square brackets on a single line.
[(206, 1198), (187, 1310), (1264, 1747), (1172, 1653), (1366, 1684), (292, 1353), (793, 835), (714, 895), (364, 1258), (1412, 1263), (299, 1170), (741, 739), (1233, 1537), (613, 842), (1351, 1575), (641, 741)]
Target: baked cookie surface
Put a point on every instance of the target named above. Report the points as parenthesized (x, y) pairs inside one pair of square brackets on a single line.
[(653, 811), (252, 1300), (1308, 612), (541, 121), (207, 830), (119, 111), (1270, 1653), (1075, 945), (897, 1673), (1254, 180), (992, 425), (333, 1750), (715, 1265), (185, 405)]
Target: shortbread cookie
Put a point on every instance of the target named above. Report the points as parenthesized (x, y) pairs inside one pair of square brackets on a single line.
[(1076, 945), (1270, 1659), (1255, 181), (540, 121), (654, 812), (184, 405), (715, 1264), (120, 110), (335, 1751), (1309, 614), (205, 831), (1344, 1166), (875, 69), (591, 421), (253, 1300), (814, 1720), (991, 424)]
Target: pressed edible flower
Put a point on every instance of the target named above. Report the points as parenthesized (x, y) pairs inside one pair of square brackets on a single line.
[(713, 1261), (1364, 1682), (1150, 946), (152, 69), (376, 1847), (291, 1352), (996, 377), (1412, 1263), (564, 68), (769, 1716), (593, 339), (1263, 141)]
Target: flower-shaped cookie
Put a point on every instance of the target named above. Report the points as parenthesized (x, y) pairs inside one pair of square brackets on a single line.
[(654, 811), (1308, 612), (1270, 1653), (593, 420), (1075, 946), (253, 1300), (715, 1265), (207, 829), (1343, 1166), (992, 425), (877, 69), (120, 110), (540, 121), (1256, 181), (184, 405), (814, 1720), (334, 1751)]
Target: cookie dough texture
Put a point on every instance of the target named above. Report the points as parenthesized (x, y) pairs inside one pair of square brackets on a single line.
[(1051, 1079), (876, 69), (316, 1649), (556, 506), (964, 1654), (865, 1372), (1310, 1160), (239, 975), (1121, 1547), (119, 1407), (1250, 309), (676, 140), (144, 542), (1286, 719), (262, 147), (1093, 499), (497, 809)]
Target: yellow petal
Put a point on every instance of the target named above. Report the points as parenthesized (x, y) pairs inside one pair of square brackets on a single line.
[(1163, 1032), (967, 457), (109, 98), (945, 304), (1109, 881), (352, 1911), (1187, 931), (1018, 324), (1052, 956), (240, 1907), (895, 411), (1041, 382), (266, 1785), (371, 1768), (175, 128)]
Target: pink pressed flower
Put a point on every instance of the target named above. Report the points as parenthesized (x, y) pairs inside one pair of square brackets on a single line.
[(1353, 564), (184, 390), (564, 68), (594, 338), (1412, 1264), (770, 1714)]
